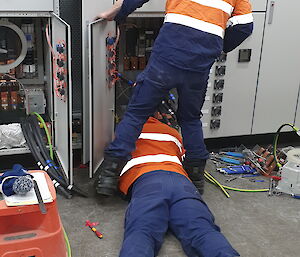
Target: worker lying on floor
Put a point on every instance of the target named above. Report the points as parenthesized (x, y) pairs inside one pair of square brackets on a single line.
[(163, 197)]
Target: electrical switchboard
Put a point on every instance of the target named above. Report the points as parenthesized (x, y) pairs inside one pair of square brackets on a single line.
[(35, 72)]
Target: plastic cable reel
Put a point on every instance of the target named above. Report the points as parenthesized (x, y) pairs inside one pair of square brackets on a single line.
[(294, 156)]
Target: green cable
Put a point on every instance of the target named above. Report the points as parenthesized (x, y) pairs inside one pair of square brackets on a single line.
[(47, 133), (210, 177), (236, 189), (67, 243), (246, 190), (51, 155)]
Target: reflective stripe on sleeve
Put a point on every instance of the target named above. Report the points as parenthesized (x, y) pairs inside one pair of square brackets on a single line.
[(241, 19)]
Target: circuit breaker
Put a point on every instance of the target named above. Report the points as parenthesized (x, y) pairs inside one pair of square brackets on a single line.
[(35, 71)]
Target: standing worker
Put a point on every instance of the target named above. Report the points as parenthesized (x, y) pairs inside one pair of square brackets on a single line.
[(193, 35)]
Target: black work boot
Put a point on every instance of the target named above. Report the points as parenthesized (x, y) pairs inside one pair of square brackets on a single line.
[(107, 176), (195, 170)]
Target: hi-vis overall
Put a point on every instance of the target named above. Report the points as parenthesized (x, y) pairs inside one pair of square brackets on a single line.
[(194, 34), (163, 197)]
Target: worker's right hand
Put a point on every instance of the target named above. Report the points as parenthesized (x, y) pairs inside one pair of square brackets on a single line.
[(111, 13)]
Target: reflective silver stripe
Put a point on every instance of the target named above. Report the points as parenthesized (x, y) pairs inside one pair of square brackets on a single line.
[(241, 19), (161, 137), (218, 4), (194, 23), (150, 158)]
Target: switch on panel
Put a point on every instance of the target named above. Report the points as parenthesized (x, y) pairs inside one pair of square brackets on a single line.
[(222, 57), (215, 124), (216, 111), (220, 70), (219, 84), (245, 55), (217, 98)]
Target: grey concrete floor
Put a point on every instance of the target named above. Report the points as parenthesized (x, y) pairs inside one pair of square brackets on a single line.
[(255, 223)]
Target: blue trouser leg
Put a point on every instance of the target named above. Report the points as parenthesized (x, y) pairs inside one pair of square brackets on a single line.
[(191, 98), (146, 220), (193, 224), (151, 87), (162, 199)]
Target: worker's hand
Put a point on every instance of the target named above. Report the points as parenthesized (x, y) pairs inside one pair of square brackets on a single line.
[(111, 13)]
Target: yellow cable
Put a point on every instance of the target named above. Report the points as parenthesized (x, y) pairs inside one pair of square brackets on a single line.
[(218, 184), (208, 177)]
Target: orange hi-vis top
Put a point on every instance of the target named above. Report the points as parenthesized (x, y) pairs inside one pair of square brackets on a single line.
[(212, 16), (159, 147)]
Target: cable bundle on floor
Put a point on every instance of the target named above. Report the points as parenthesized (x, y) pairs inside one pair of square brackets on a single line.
[(34, 139)]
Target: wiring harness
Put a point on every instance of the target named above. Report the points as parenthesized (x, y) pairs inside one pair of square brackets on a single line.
[(34, 139)]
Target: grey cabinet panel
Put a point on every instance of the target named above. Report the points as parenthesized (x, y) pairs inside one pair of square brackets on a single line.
[(259, 5), (101, 104), (63, 108), (297, 119), (153, 6), (279, 75), (90, 9), (240, 82), (28, 5)]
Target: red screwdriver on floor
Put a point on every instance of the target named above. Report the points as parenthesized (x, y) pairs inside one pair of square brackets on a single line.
[(91, 226)]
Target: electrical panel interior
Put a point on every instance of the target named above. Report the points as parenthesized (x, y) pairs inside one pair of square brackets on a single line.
[(137, 37), (22, 70), (24, 44), (34, 77)]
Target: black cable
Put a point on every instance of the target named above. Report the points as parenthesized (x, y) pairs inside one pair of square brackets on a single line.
[(33, 124), (38, 158), (38, 138)]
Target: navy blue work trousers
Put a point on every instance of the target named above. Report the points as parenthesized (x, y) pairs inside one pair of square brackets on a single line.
[(152, 85), (163, 200)]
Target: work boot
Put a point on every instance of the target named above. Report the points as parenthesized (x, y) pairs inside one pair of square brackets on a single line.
[(107, 176), (195, 171)]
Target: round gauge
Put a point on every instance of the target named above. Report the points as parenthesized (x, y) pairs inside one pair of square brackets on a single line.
[(13, 46)]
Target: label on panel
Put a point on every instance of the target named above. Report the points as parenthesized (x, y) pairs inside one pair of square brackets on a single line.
[(100, 91), (279, 76), (28, 5)]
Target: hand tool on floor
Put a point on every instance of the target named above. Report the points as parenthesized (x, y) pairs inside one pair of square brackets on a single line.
[(91, 226)]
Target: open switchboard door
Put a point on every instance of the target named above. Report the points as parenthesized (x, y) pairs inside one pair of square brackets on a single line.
[(62, 94), (101, 92)]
